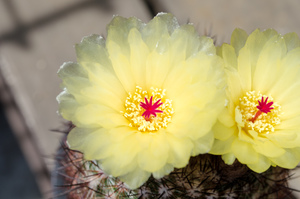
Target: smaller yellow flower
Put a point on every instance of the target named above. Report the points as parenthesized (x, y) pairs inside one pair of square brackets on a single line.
[(145, 99), (260, 125)]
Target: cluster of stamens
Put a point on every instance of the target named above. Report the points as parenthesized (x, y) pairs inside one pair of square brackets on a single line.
[(148, 111), (259, 113)]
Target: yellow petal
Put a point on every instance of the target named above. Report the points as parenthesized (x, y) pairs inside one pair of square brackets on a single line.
[(288, 77), (70, 69), (285, 138), (180, 122), (290, 104), (204, 119), (131, 179), (121, 65), (222, 132), (255, 43), (125, 156), (244, 136), (158, 151), (228, 158), (178, 45), (229, 56), (207, 45), (222, 146), (74, 77), (94, 58), (168, 168), (270, 33), (94, 143), (254, 134), (238, 39), (138, 56), (101, 96), (112, 166), (95, 115), (67, 105), (92, 52), (234, 86), (244, 152), (192, 43), (196, 69), (155, 73), (257, 136), (268, 148), (201, 95), (180, 150), (226, 118), (122, 132), (159, 28), (291, 40), (199, 98), (106, 81), (203, 144), (289, 159), (239, 118), (291, 110), (118, 30), (177, 81), (267, 63), (288, 124), (261, 165), (205, 68), (245, 69)]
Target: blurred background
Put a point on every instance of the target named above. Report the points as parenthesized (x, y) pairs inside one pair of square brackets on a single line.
[(37, 36)]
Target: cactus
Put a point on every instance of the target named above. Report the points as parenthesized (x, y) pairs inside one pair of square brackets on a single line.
[(206, 176)]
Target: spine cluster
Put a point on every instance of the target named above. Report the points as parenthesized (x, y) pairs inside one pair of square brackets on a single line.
[(206, 176)]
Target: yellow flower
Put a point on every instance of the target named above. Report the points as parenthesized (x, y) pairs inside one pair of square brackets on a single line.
[(144, 100), (261, 123)]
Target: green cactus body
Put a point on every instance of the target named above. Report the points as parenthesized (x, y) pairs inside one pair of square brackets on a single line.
[(206, 176)]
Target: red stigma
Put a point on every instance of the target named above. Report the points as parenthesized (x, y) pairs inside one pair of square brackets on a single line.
[(263, 107), (150, 108)]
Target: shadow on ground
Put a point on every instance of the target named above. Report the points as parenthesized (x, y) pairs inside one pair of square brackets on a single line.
[(16, 179)]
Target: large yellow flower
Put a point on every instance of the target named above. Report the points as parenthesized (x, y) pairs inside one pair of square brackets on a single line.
[(261, 123), (144, 100)]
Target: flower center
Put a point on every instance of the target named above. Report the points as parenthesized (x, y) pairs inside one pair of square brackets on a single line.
[(259, 113), (145, 115)]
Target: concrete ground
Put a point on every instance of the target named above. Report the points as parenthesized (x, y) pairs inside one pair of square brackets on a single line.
[(37, 36)]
